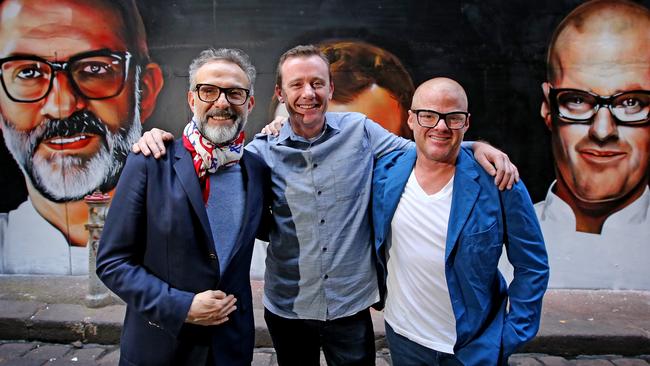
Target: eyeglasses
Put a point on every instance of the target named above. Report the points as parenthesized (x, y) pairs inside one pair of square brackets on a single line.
[(429, 119), (210, 93), (93, 75), (579, 106)]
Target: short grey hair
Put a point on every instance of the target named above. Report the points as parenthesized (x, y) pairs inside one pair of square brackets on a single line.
[(234, 55)]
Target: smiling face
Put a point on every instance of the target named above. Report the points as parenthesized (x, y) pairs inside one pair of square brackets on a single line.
[(601, 161), (439, 144), (66, 144), (306, 90), (220, 121)]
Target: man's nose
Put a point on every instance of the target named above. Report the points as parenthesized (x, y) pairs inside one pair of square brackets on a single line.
[(308, 91), (62, 100), (222, 101), (603, 126), (441, 125)]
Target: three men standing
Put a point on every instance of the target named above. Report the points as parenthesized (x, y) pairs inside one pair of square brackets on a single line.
[(321, 278)]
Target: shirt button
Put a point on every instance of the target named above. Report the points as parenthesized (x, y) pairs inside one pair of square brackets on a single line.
[(213, 256), (324, 249), (315, 165), (326, 277), (322, 221), (319, 192)]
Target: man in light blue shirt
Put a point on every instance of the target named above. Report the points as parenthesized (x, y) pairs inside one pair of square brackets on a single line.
[(320, 279)]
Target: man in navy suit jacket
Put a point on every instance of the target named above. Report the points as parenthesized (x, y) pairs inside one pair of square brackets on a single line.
[(440, 224), (178, 239)]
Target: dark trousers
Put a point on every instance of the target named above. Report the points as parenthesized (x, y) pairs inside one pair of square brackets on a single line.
[(405, 352), (348, 341)]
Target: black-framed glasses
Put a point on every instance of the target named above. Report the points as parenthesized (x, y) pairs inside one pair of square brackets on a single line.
[(429, 118), (580, 106), (94, 75), (210, 93)]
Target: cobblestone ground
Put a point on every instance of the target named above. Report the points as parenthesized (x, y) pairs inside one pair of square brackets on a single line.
[(38, 354)]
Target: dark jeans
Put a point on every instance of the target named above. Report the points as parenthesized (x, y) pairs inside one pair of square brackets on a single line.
[(346, 341), (405, 352)]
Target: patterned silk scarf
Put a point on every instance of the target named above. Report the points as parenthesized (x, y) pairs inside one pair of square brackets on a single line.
[(208, 157)]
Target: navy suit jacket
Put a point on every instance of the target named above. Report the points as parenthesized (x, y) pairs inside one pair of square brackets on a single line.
[(482, 220), (157, 251)]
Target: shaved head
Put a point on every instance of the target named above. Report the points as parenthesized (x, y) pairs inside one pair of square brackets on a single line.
[(443, 90), (604, 31)]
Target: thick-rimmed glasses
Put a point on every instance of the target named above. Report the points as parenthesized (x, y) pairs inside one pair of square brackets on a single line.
[(210, 93), (579, 106), (93, 75), (429, 119)]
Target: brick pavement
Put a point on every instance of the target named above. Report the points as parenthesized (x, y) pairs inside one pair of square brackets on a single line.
[(17, 353)]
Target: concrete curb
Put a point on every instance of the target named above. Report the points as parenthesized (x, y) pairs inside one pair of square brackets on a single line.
[(574, 322)]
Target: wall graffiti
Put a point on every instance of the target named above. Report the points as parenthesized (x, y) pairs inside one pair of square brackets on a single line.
[(81, 80)]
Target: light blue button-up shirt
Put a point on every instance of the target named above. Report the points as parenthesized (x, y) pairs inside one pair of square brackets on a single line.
[(319, 262)]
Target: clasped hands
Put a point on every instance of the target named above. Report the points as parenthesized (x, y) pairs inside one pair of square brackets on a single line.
[(211, 308)]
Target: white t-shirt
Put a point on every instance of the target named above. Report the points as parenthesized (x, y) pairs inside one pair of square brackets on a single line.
[(418, 306)]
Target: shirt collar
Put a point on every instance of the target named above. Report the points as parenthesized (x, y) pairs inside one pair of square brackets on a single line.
[(286, 132), (555, 209)]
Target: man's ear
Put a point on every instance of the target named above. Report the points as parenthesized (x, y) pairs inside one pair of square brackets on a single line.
[(411, 120), (190, 100), (151, 83), (545, 109), (331, 90), (467, 123), (278, 93), (251, 103)]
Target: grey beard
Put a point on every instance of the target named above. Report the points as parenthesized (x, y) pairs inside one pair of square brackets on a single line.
[(220, 134), (63, 178)]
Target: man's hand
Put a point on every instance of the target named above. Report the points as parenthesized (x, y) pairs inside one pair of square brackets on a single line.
[(152, 142), (273, 128), (211, 308), (506, 173)]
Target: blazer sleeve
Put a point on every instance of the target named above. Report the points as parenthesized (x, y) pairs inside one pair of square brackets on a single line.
[(527, 253), (121, 251)]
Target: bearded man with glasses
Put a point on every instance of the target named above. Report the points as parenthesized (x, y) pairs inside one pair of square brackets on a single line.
[(77, 83), (596, 216)]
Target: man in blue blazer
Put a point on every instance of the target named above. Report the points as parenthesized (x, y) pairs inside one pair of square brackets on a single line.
[(178, 239), (440, 224)]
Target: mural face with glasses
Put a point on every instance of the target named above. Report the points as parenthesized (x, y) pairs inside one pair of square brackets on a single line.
[(596, 106), (76, 85)]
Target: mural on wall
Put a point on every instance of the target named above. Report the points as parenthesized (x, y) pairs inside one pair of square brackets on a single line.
[(70, 107), (596, 215), (76, 85)]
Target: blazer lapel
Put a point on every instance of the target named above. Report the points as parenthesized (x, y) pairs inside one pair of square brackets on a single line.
[(466, 191), (189, 181), (396, 179)]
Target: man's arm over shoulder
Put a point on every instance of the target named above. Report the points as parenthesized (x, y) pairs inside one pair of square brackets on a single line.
[(381, 140), (121, 251), (527, 253), (259, 145)]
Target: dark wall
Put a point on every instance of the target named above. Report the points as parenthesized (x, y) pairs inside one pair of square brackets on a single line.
[(496, 49)]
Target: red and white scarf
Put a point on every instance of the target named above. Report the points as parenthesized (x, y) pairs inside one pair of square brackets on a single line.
[(209, 157)]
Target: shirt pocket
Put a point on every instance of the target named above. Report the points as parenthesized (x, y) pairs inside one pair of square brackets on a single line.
[(484, 249), (351, 175)]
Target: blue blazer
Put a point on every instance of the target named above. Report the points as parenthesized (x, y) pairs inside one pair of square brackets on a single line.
[(157, 251), (482, 220)]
